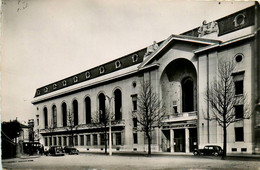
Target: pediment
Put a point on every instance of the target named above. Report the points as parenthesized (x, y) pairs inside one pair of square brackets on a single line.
[(179, 41)]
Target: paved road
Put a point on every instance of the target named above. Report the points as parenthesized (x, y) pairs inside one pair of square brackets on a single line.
[(129, 162)]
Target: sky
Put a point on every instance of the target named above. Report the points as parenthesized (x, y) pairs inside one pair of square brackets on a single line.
[(47, 40)]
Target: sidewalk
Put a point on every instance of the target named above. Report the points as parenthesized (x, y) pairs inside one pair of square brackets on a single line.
[(230, 156), (23, 158)]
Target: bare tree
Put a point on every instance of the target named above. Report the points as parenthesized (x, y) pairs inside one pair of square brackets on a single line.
[(150, 113), (51, 129), (222, 99), (101, 121), (71, 127)]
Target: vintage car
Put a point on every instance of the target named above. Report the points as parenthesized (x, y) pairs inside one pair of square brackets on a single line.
[(71, 150), (209, 150), (55, 151)]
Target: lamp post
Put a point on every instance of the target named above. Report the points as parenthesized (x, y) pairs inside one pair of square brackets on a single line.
[(110, 135)]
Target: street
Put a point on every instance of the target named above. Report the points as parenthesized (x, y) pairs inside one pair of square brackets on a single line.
[(129, 161)]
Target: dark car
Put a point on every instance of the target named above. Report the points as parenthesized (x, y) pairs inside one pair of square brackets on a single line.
[(209, 150), (55, 151), (71, 150)]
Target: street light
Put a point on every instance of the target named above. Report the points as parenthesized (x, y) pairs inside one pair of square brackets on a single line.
[(110, 135)]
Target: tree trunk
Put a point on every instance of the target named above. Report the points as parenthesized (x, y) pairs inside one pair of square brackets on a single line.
[(149, 145), (105, 138), (224, 141)]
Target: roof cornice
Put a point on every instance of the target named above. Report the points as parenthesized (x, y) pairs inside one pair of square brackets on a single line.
[(211, 47)]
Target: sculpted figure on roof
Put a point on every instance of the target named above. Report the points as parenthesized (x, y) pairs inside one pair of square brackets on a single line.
[(207, 28), (152, 48)]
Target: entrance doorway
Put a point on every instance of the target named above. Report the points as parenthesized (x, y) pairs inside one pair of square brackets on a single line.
[(193, 139), (179, 140)]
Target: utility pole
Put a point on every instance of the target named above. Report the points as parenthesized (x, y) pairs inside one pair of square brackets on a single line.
[(110, 133)]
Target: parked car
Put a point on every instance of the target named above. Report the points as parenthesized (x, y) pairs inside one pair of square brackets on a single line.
[(55, 151), (209, 150), (71, 150)]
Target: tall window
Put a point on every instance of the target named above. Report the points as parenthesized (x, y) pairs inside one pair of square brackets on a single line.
[(54, 116), (88, 109), (54, 140), (46, 141), (64, 140), (239, 111), (118, 139), (102, 139), (50, 141), (95, 142), (59, 140), (81, 140), (187, 95), (75, 112), (239, 82), (239, 86), (118, 104), (135, 138), (135, 122), (64, 114), (102, 107), (45, 114), (134, 102), (76, 140), (37, 120), (239, 134), (88, 140)]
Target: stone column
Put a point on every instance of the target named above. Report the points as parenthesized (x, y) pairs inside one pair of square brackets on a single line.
[(172, 140), (187, 141)]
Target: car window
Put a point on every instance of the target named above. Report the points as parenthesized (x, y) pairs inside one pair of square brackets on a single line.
[(211, 147)]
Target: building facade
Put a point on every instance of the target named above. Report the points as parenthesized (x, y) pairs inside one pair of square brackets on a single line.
[(180, 69)]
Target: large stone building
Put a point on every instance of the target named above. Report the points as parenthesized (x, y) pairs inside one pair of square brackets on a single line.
[(181, 69)]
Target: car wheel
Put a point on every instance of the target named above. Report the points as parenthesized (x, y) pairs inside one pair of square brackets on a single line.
[(195, 153), (215, 154)]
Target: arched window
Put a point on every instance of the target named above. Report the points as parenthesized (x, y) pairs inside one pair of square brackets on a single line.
[(118, 104), (102, 107), (187, 95), (54, 116), (45, 115), (75, 112), (88, 109), (64, 114)]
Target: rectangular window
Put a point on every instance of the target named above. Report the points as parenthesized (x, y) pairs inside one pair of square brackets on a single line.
[(95, 142), (37, 120), (239, 82), (50, 141), (46, 141), (134, 101), (76, 140), (81, 140), (54, 141), (135, 138), (118, 138), (239, 134), (59, 141), (239, 111), (102, 139), (88, 140), (243, 149), (239, 87), (70, 140), (64, 141), (135, 122)]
